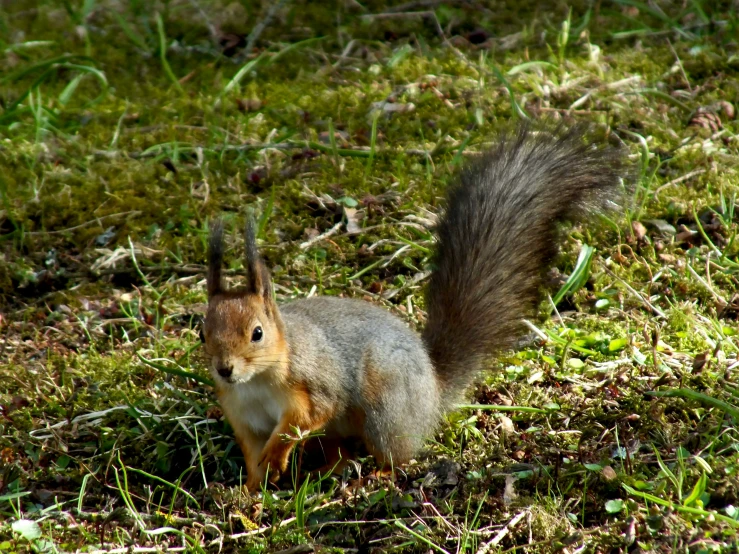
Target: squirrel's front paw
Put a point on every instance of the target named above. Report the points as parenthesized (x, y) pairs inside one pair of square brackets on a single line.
[(274, 463), (273, 475), (254, 483)]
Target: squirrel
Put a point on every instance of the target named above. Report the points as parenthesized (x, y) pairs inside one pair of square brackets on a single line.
[(352, 370)]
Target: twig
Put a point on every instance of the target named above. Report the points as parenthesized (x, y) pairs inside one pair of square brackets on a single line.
[(502, 533), (429, 14), (417, 278), (261, 26), (358, 151), (189, 269), (421, 4), (538, 332), (91, 222), (636, 294), (608, 86), (706, 285), (139, 550), (679, 180), (259, 531), (152, 128), (345, 54), (81, 420), (568, 111), (98, 517), (395, 15), (208, 23), (332, 231)]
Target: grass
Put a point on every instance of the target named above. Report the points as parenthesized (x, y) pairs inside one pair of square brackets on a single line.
[(126, 127)]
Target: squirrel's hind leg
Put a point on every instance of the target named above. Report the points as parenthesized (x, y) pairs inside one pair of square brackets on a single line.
[(335, 454), (401, 404)]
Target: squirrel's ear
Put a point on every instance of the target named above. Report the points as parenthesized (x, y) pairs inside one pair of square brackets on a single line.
[(258, 278), (215, 258)]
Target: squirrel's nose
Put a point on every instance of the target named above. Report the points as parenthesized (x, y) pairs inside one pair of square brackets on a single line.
[(225, 370)]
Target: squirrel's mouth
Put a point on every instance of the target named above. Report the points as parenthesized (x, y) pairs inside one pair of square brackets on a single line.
[(235, 379), (220, 378)]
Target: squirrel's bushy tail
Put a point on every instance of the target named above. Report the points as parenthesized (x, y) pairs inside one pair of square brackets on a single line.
[(498, 236)]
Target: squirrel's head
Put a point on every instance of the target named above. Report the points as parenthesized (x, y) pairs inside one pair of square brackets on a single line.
[(243, 332)]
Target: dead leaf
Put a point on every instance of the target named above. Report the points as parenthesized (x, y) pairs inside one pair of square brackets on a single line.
[(639, 230), (726, 107), (353, 217), (341, 138), (248, 104), (731, 310), (609, 474), (685, 234), (389, 108), (700, 361), (506, 425), (630, 532), (707, 119), (311, 233), (446, 472), (661, 225), (630, 11), (509, 492)]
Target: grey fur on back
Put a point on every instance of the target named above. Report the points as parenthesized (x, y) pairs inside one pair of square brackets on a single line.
[(500, 233), (362, 356)]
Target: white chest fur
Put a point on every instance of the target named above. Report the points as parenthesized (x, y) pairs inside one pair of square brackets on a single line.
[(257, 404)]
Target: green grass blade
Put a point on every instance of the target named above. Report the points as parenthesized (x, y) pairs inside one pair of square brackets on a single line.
[(158, 479), (45, 64), (689, 394), (578, 277), (177, 372), (163, 53), (517, 110), (132, 35), (679, 508), (503, 408)]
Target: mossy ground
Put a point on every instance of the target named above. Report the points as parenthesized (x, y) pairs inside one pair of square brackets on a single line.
[(115, 153)]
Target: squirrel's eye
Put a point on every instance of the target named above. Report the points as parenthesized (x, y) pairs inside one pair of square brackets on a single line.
[(257, 334), (202, 336)]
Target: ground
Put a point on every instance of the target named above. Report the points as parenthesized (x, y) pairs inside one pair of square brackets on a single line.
[(125, 127)]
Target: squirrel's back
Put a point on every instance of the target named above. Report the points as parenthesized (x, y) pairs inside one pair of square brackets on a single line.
[(340, 334)]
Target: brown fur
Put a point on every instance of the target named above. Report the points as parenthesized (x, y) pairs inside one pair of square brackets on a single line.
[(231, 318), (301, 415), (251, 447), (329, 453), (374, 384)]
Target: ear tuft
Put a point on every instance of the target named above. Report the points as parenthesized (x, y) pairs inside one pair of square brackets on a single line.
[(258, 280), (215, 258), (250, 247)]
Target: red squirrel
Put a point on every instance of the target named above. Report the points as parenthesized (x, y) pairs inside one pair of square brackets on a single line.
[(352, 370)]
